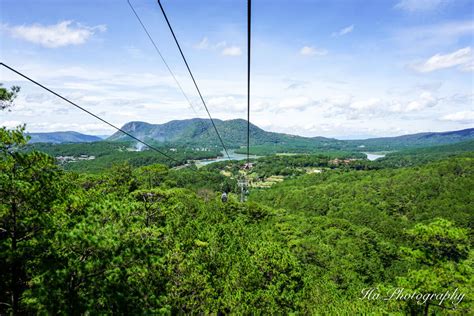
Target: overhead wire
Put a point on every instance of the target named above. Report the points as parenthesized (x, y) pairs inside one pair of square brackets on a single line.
[(192, 77), (249, 37), (145, 29), (90, 113), (161, 56)]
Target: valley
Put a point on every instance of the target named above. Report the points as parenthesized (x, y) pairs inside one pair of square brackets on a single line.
[(332, 223), (237, 157), (192, 140)]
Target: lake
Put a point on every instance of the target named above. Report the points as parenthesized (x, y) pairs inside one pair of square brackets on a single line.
[(232, 154)]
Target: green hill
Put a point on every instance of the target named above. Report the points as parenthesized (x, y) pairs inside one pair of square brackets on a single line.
[(137, 239), (200, 132), (416, 140)]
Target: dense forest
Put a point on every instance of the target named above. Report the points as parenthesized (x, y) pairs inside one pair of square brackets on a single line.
[(105, 154), (199, 132), (128, 233)]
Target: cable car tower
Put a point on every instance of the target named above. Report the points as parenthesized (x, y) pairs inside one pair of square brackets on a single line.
[(243, 182), (244, 188)]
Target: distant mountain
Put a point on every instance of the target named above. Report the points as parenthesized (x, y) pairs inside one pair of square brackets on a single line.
[(201, 132), (416, 140), (103, 136), (62, 137)]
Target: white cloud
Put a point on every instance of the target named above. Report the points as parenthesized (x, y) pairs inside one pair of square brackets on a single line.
[(311, 51), (344, 31), (135, 52), (460, 117), (203, 44), (235, 103), (425, 100), (467, 67), (376, 106), (10, 124), (232, 51), (222, 46), (57, 35), (462, 57), (420, 5), (294, 84), (226, 103), (364, 105), (447, 33), (108, 93), (262, 122), (340, 100), (347, 111), (259, 106), (91, 128), (300, 103)]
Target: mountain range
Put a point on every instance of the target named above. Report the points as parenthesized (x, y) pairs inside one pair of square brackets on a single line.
[(234, 135), (62, 137), (200, 132)]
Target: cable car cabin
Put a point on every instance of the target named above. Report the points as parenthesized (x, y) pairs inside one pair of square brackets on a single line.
[(247, 166), (224, 197)]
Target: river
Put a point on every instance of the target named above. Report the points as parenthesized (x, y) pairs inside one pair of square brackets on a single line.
[(235, 156), (374, 156), (232, 154)]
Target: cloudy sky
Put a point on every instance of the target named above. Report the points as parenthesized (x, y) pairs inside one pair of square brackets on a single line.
[(337, 68)]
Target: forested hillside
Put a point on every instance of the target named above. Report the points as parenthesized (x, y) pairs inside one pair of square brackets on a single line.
[(419, 156), (141, 240), (200, 132), (96, 156), (311, 157), (416, 140)]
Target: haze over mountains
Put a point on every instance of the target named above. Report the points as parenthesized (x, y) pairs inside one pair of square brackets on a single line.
[(62, 137), (201, 132), (233, 132)]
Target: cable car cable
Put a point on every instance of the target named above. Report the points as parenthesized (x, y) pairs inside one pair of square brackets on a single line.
[(192, 77), (249, 33), (163, 59), (161, 56), (90, 113)]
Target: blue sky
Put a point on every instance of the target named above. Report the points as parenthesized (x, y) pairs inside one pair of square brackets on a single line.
[(336, 68)]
